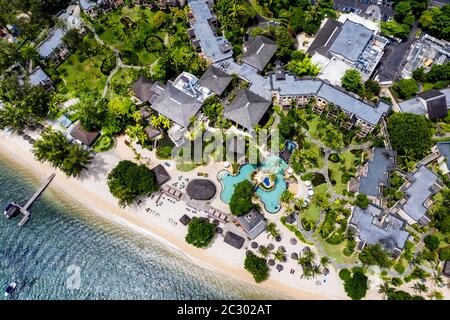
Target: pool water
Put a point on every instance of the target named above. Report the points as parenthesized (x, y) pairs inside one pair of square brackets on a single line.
[(271, 199)]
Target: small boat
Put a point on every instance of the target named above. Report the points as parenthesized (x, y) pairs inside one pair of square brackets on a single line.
[(10, 289)]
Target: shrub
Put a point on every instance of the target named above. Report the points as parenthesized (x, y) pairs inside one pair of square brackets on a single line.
[(375, 255), (241, 200), (431, 242), (257, 266), (396, 281), (336, 238), (318, 179), (356, 287), (444, 253), (108, 64), (362, 201), (164, 152), (400, 267), (345, 274), (200, 232)]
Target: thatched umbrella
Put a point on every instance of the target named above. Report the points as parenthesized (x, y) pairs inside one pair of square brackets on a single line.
[(294, 255), (326, 271), (306, 249), (284, 259), (279, 267), (277, 238), (219, 230), (185, 219), (216, 222), (293, 241), (271, 262), (282, 249), (254, 245), (270, 246)]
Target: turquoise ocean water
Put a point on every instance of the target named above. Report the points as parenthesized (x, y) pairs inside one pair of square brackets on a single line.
[(68, 252)]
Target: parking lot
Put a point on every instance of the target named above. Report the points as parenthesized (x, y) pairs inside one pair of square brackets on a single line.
[(379, 9)]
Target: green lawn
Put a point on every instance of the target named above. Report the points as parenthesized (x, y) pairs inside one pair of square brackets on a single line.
[(326, 132), (129, 41), (336, 171), (335, 251), (80, 73), (311, 213)]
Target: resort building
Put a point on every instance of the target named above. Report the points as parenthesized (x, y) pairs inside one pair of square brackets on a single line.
[(52, 49), (340, 46), (443, 148), (432, 103), (84, 137), (418, 190), (253, 223), (258, 52), (290, 89), (71, 18), (247, 109), (215, 47), (146, 90), (426, 52), (215, 80), (372, 226), (234, 240), (95, 7), (38, 77), (376, 173)]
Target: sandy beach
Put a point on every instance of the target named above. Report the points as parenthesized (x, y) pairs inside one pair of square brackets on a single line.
[(91, 190)]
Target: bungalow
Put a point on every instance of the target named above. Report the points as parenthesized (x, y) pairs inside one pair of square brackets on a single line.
[(381, 163), (247, 109), (38, 77), (234, 240), (52, 49), (443, 148), (162, 176), (258, 52), (86, 138), (253, 223), (418, 190), (373, 226)]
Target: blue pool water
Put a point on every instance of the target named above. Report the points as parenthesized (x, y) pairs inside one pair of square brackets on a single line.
[(271, 199)]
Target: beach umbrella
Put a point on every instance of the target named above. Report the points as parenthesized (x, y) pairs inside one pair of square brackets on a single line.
[(293, 241), (294, 255), (226, 164), (270, 246), (216, 222), (279, 267), (290, 171), (310, 193), (277, 238), (326, 271), (254, 245), (281, 248), (308, 183), (271, 262)]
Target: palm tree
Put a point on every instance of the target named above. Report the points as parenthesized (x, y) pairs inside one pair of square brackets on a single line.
[(325, 261), (384, 289), (437, 279), (420, 288), (279, 255), (436, 295), (272, 229), (264, 251)]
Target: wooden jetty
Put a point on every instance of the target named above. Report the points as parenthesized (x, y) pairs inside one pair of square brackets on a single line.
[(14, 207)]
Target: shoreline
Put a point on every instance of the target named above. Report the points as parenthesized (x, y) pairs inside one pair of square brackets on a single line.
[(90, 190)]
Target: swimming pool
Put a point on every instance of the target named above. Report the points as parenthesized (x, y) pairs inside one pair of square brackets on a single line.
[(271, 199)]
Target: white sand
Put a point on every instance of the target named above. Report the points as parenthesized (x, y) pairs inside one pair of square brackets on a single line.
[(91, 189)]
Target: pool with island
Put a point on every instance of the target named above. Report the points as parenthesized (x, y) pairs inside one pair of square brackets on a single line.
[(270, 182)]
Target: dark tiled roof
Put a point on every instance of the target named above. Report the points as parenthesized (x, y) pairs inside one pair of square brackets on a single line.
[(390, 235), (259, 52), (378, 171), (143, 89), (325, 37), (446, 270), (176, 105), (86, 137), (437, 107), (253, 223), (201, 189), (234, 240), (185, 219), (247, 109), (432, 93), (161, 174), (216, 80), (152, 132)]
